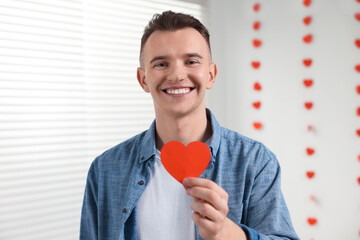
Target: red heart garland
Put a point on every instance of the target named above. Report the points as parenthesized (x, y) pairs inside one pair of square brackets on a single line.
[(257, 43), (257, 125), (357, 68), (257, 86), (310, 151), (256, 25), (358, 89), (255, 64), (310, 174), (256, 7), (308, 82), (358, 111), (257, 104), (182, 162), (307, 20), (308, 38), (312, 221), (357, 42), (307, 3), (357, 16), (307, 62), (308, 105), (358, 132)]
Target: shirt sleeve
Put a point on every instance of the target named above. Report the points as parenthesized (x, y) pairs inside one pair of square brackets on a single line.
[(89, 219), (268, 217)]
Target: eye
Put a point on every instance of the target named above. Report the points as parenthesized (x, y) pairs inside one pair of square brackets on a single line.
[(160, 65), (192, 62)]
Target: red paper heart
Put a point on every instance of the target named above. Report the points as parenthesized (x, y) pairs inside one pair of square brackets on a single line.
[(257, 86), (310, 151), (307, 20), (308, 82), (257, 104), (308, 105), (357, 68), (358, 1), (182, 162), (257, 43), (307, 3), (307, 62), (358, 180), (256, 25), (310, 128), (310, 174), (257, 125), (255, 64), (312, 221), (358, 89), (358, 132), (359, 157), (357, 42), (308, 38), (256, 7), (358, 111), (357, 16)]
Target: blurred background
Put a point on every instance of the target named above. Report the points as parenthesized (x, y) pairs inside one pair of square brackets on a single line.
[(288, 76)]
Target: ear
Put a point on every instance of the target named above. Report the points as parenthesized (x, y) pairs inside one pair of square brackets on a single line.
[(142, 79), (212, 76)]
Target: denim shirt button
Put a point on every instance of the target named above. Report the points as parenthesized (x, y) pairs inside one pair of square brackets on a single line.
[(152, 158), (142, 158), (124, 210), (141, 182)]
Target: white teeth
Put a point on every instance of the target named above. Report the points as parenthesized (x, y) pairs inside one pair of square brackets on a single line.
[(178, 91)]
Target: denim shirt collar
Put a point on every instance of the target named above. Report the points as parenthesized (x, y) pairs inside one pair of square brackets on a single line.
[(148, 145)]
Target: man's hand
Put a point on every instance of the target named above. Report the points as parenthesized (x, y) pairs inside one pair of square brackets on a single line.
[(210, 208)]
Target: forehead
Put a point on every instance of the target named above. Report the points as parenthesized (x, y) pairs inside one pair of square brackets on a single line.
[(169, 43)]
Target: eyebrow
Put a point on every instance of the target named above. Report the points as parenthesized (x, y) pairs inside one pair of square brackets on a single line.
[(187, 55)]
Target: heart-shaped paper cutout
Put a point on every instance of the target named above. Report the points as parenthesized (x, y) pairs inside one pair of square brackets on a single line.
[(257, 86), (358, 132), (312, 221), (308, 38), (182, 162), (358, 1), (359, 157), (257, 43), (256, 25), (308, 82), (257, 104), (307, 20), (310, 151), (310, 174), (357, 16), (357, 68), (310, 128), (255, 64), (307, 62), (257, 125), (358, 89), (358, 180), (307, 3), (256, 7), (357, 42), (308, 105), (358, 111)]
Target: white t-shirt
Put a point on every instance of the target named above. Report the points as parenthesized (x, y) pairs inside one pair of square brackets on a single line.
[(164, 208)]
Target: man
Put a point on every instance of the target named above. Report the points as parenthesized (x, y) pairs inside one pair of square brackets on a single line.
[(129, 195)]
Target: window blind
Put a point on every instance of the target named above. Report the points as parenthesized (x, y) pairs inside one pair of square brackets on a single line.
[(68, 92)]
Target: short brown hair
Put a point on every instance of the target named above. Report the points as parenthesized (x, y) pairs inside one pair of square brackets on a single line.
[(171, 21)]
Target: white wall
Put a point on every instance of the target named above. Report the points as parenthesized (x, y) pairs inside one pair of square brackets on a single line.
[(285, 119)]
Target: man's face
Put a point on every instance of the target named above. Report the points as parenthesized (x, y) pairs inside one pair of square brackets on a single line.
[(177, 70)]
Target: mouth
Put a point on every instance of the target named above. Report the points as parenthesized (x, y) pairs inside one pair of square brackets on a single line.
[(178, 91)]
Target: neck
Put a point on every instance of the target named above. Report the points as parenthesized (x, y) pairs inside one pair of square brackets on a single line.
[(185, 129)]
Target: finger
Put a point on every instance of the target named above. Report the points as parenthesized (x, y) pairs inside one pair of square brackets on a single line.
[(210, 196), (206, 210), (206, 183), (205, 225)]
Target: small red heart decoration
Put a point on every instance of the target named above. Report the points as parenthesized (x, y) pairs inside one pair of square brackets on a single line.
[(255, 64), (358, 132), (357, 42), (308, 38), (310, 174), (358, 111), (257, 125), (358, 180), (307, 20), (310, 128), (308, 82), (307, 3), (256, 7), (308, 105), (357, 68), (257, 86), (257, 43), (256, 25), (357, 16), (310, 151), (359, 157), (358, 89), (257, 104), (307, 62), (358, 1), (182, 162), (312, 221)]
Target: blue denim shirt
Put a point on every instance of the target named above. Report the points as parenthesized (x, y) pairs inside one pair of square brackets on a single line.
[(244, 168)]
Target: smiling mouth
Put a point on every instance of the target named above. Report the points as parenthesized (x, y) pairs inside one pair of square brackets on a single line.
[(178, 91)]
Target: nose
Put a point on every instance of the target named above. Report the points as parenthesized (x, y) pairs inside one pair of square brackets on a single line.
[(177, 72)]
